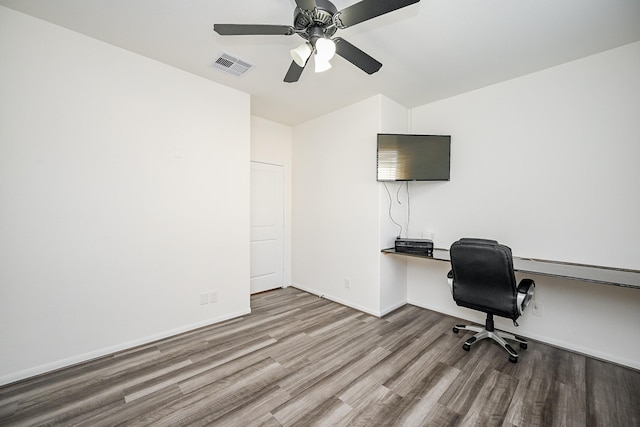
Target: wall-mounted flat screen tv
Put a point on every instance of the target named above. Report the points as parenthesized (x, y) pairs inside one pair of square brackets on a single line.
[(413, 157)]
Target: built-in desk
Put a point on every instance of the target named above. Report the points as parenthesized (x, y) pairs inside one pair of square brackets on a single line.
[(583, 272)]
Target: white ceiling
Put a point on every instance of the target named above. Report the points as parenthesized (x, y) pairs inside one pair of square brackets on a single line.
[(431, 50)]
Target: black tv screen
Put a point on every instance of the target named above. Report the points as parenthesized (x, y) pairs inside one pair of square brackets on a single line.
[(413, 157)]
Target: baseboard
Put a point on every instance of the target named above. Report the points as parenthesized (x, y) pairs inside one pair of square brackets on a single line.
[(338, 300), (564, 345), (380, 313), (65, 363), (393, 307)]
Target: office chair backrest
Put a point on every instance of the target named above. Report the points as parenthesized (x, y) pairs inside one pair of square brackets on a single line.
[(483, 277)]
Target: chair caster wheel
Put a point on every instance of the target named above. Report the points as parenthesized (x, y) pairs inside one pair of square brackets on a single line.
[(513, 359), (455, 330), (523, 346), (466, 347)]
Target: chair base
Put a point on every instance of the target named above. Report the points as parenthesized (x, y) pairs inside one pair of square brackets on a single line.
[(495, 335)]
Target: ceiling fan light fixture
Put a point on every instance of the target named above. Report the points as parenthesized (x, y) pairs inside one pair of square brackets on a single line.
[(301, 54), (321, 64), (325, 49)]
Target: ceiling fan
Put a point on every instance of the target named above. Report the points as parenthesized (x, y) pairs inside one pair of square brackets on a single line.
[(316, 21)]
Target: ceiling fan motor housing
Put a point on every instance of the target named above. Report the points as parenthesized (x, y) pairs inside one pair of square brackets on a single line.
[(312, 24)]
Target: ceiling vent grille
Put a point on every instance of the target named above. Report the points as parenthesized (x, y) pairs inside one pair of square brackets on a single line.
[(231, 64)]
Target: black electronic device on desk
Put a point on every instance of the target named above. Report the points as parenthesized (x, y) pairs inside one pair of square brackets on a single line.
[(415, 246)]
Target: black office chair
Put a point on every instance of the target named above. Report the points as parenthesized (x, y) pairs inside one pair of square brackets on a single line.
[(482, 278)]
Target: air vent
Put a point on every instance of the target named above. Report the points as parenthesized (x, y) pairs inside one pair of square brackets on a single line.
[(231, 64)]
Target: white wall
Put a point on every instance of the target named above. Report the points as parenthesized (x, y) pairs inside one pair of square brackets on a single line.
[(335, 206), (393, 272), (340, 212), (271, 143), (547, 164), (124, 194)]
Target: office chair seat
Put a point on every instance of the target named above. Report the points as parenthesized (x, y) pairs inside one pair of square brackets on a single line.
[(482, 278)]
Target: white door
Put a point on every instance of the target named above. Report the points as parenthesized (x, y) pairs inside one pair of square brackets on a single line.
[(267, 227)]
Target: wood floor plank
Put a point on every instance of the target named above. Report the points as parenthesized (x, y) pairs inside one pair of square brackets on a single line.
[(441, 416), (340, 375), (388, 410), (426, 393), (425, 365), (123, 413), (366, 403), (301, 360), (613, 395), (490, 405), (256, 413)]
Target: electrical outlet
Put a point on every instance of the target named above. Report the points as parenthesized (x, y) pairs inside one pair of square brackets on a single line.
[(347, 283), (213, 296), (204, 299), (537, 309)]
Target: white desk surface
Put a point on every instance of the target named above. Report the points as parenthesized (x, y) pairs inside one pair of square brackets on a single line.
[(583, 272)]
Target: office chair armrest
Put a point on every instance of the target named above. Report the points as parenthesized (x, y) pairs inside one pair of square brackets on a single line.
[(450, 280), (526, 288)]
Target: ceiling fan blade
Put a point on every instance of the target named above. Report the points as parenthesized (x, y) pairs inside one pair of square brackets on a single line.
[(252, 30), (306, 4), (356, 56), (294, 73), (367, 9)]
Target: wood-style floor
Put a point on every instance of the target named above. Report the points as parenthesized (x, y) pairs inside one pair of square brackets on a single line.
[(300, 360)]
